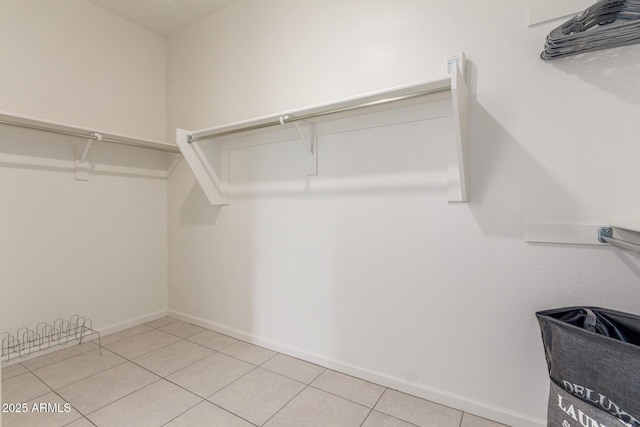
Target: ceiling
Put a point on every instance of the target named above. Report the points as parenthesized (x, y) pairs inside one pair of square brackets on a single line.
[(162, 17)]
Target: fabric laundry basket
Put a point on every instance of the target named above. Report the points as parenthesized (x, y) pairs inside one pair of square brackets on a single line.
[(593, 356)]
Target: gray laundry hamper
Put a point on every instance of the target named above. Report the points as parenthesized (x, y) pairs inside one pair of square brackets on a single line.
[(593, 356)]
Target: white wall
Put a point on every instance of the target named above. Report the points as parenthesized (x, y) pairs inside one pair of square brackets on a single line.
[(99, 247), (72, 62), (398, 286)]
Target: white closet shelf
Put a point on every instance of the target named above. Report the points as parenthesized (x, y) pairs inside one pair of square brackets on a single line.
[(626, 225), (454, 84), (81, 132)]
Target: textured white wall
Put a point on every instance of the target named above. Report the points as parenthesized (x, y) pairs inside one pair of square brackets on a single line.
[(72, 62), (437, 299), (97, 248)]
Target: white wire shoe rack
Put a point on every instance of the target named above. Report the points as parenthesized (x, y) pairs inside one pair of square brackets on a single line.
[(25, 342)]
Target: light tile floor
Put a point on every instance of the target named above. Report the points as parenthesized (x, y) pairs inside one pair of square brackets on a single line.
[(175, 374)]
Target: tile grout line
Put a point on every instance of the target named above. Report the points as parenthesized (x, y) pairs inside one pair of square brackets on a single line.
[(51, 390), (372, 408), (119, 364), (291, 378), (276, 354), (26, 361), (254, 367), (341, 397), (123, 338), (184, 412), (143, 354), (88, 376), (120, 398), (54, 391), (306, 386), (179, 369), (227, 385)]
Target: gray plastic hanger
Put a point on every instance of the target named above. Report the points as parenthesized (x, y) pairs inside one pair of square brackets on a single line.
[(606, 24)]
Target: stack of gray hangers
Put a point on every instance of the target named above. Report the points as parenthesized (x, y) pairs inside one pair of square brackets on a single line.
[(606, 24)]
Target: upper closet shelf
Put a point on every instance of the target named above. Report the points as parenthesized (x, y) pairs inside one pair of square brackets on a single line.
[(84, 133), (214, 185)]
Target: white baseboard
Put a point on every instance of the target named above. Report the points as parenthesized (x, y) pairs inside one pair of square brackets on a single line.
[(481, 409), (131, 323)]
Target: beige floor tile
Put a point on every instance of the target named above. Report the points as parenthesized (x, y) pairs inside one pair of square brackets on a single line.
[(182, 329), (207, 414), (48, 410), (173, 357), (125, 333), (297, 369), (82, 422), (351, 388), (210, 374), (257, 396), (59, 355), (151, 406), (78, 367), (417, 411), (212, 340), (249, 353), (163, 321), (144, 343), (106, 387), (315, 407), (378, 419), (13, 371), (23, 387), (469, 420)]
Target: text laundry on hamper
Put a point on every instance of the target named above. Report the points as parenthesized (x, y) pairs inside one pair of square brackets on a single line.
[(593, 357)]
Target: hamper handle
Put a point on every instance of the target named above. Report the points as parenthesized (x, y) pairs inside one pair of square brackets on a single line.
[(590, 321)]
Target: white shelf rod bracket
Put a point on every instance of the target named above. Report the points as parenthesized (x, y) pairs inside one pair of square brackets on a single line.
[(309, 143), (82, 163), (305, 142), (85, 153)]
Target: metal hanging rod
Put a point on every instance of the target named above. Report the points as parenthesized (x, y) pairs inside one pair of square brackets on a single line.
[(288, 118), (605, 235), (94, 135)]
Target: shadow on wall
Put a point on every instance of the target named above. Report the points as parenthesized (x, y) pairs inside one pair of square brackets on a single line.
[(32, 150), (508, 186), (630, 259), (196, 209), (37, 150), (615, 70)]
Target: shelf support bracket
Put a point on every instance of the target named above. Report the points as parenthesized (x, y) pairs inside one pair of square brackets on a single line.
[(215, 189), (172, 160), (458, 151), (306, 142), (309, 144), (82, 162)]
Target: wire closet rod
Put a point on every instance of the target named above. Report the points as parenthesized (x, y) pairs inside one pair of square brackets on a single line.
[(92, 135), (290, 118), (605, 235)]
